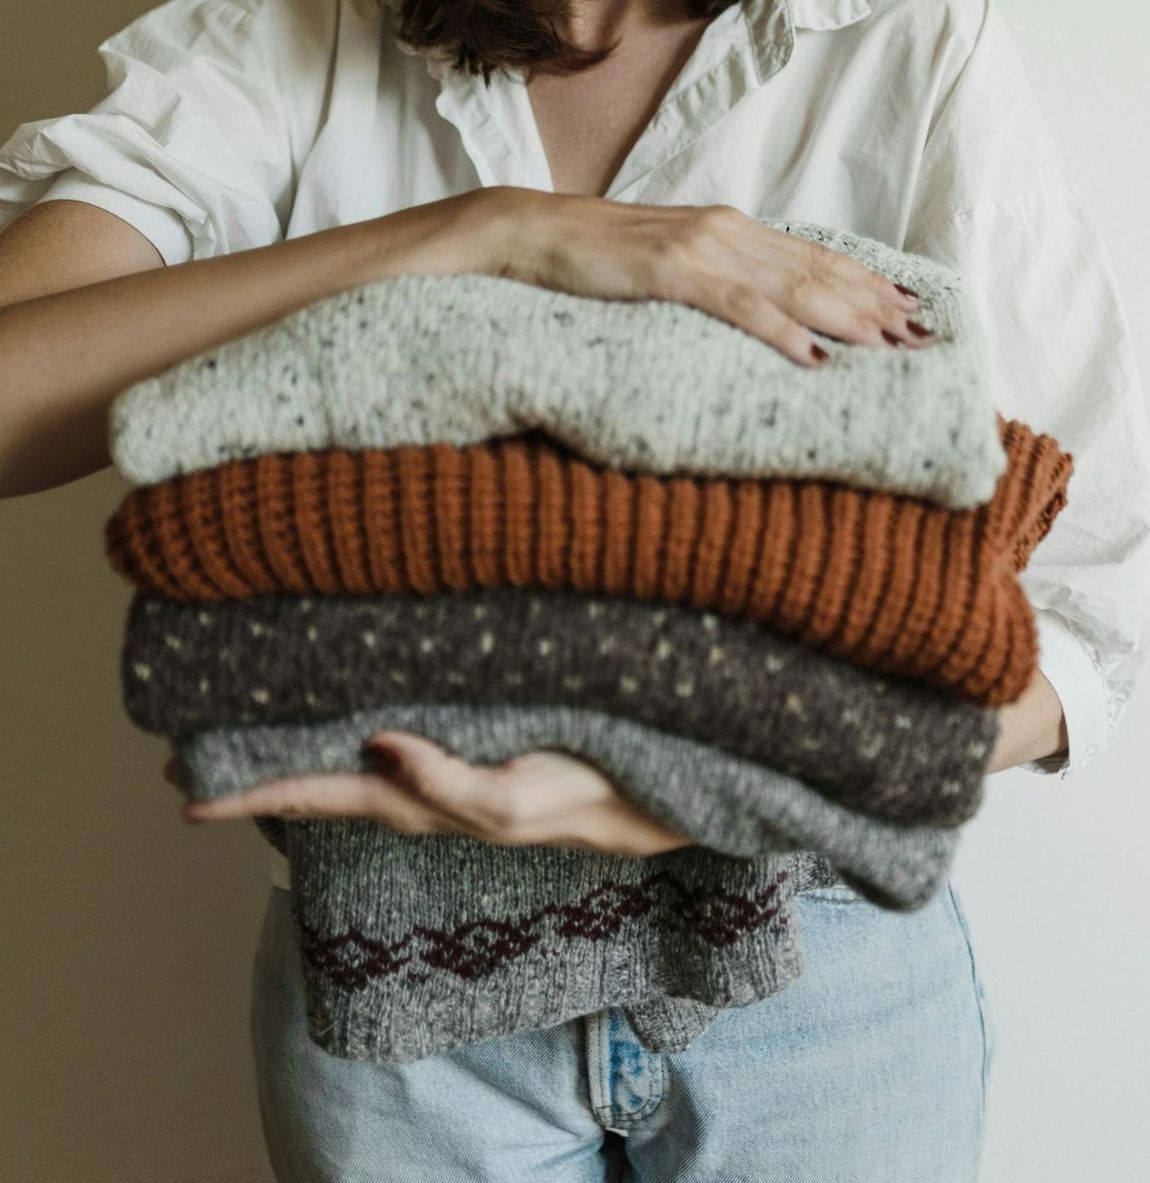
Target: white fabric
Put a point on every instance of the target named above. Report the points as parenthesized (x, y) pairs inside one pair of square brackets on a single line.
[(910, 121)]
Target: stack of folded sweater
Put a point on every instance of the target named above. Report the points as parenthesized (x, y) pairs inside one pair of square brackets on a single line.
[(777, 606)]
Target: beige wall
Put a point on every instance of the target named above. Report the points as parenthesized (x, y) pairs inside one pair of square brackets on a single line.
[(127, 936)]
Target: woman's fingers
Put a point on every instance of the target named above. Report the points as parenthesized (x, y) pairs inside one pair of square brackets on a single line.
[(810, 285), (324, 795), (806, 302), (319, 795), (834, 264), (625, 829), (748, 307), (865, 310), (847, 312), (545, 798), (780, 287)]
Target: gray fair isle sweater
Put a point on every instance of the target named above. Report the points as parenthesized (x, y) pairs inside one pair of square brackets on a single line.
[(412, 946), (647, 385)]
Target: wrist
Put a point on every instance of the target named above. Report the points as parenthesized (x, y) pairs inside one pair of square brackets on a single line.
[(516, 226), (1033, 728), (496, 230), (469, 232)]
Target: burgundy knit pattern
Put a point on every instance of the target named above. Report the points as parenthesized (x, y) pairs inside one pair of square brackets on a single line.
[(352, 960)]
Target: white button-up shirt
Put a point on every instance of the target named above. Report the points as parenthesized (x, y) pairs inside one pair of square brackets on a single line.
[(232, 124)]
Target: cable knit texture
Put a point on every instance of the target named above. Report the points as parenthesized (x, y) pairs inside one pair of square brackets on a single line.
[(887, 582), (735, 807), (646, 385), (884, 745)]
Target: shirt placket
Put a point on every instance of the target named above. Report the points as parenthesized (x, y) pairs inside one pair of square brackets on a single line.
[(738, 51)]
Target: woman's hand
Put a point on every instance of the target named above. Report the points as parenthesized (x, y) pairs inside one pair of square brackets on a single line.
[(714, 257), (543, 798)]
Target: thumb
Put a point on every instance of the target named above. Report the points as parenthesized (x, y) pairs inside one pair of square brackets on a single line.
[(422, 766)]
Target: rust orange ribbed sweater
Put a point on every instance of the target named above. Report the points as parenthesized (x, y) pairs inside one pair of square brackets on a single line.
[(886, 581)]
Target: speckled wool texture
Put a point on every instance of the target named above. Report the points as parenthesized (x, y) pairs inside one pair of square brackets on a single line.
[(413, 945), (885, 745), (733, 807), (645, 385)]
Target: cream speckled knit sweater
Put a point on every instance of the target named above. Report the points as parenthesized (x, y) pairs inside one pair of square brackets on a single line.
[(646, 385)]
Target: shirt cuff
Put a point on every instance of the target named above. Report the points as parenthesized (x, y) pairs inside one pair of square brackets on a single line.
[(164, 228), (1066, 662)]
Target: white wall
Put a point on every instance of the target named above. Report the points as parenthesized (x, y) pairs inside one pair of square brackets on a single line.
[(1054, 874)]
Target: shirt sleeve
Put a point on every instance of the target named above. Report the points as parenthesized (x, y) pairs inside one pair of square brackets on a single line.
[(191, 145), (994, 202)]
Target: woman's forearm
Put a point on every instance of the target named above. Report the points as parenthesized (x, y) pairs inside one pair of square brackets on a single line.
[(67, 355), (1032, 728)]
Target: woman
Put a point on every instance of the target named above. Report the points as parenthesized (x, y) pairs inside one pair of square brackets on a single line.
[(255, 155)]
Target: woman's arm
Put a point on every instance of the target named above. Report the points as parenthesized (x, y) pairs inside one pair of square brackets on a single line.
[(76, 328), (87, 308)]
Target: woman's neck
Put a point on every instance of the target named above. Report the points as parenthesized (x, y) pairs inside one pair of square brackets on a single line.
[(595, 23)]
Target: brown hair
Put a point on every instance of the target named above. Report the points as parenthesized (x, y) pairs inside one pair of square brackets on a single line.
[(485, 35)]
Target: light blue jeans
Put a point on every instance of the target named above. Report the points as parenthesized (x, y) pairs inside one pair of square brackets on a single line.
[(871, 1068)]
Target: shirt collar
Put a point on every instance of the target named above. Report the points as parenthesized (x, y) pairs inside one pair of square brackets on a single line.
[(825, 14), (771, 25)]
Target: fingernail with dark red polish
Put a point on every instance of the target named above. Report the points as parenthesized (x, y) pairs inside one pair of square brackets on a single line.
[(890, 338), (919, 330), (907, 291), (818, 353)]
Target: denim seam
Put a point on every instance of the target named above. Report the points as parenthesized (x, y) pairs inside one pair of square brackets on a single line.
[(597, 1055), (601, 1077), (976, 984)]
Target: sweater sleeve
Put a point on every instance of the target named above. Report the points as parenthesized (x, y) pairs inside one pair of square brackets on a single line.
[(196, 141), (994, 201)]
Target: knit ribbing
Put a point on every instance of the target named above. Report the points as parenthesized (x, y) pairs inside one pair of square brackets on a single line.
[(891, 583), (646, 385), (733, 807), (885, 745)]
